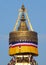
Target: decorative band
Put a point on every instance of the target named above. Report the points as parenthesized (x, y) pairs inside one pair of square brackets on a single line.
[(22, 44)]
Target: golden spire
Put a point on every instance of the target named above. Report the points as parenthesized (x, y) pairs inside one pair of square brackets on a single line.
[(23, 25), (22, 17)]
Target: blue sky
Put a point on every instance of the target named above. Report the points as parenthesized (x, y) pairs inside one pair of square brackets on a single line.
[(8, 15)]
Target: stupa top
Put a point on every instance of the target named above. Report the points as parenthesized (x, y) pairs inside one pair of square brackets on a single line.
[(22, 18)]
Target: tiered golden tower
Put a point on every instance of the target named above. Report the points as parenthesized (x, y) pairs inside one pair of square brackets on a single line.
[(23, 41)]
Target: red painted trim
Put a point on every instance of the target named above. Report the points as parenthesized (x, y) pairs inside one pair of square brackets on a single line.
[(21, 45)]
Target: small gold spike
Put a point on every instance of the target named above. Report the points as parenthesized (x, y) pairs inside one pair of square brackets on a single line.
[(23, 8)]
